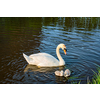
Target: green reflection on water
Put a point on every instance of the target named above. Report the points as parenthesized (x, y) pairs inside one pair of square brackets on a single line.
[(11, 23)]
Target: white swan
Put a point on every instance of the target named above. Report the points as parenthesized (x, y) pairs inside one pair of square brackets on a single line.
[(46, 60)]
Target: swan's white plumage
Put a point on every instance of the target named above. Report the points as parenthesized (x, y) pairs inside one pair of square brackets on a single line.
[(46, 60)]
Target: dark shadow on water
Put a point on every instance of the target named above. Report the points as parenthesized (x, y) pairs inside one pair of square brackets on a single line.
[(61, 79)]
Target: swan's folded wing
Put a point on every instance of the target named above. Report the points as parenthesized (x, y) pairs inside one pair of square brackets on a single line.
[(43, 59)]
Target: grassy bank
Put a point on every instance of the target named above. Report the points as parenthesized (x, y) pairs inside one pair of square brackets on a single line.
[(96, 77)]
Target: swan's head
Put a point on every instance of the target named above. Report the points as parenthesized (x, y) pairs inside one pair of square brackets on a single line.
[(63, 48)]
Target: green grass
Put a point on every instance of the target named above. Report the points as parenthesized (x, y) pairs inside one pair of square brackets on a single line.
[(96, 77)]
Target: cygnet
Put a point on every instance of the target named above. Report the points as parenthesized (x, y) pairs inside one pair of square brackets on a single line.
[(67, 73), (59, 73)]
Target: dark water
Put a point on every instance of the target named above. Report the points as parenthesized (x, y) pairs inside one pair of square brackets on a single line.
[(33, 35)]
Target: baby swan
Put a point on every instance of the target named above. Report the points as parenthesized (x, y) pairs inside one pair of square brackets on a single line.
[(67, 73), (59, 73)]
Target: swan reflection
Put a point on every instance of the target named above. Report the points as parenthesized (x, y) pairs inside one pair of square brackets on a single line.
[(30, 68), (47, 72)]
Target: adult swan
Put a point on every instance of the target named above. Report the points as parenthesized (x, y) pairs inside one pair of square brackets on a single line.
[(46, 60)]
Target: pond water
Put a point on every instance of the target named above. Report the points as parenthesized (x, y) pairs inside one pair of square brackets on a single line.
[(32, 35)]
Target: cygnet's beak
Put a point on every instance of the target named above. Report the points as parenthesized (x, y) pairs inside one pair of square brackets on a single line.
[(65, 51)]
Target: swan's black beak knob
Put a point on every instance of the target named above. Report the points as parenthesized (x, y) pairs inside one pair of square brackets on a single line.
[(65, 51)]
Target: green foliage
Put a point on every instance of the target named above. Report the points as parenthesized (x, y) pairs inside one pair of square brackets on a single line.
[(96, 79), (96, 76)]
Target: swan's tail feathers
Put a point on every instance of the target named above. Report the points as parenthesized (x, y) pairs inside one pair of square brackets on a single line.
[(28, 59)]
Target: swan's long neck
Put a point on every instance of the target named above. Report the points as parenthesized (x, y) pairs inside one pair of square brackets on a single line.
[(61, 61)]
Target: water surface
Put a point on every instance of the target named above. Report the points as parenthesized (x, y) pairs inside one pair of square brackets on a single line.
[(33, 35)]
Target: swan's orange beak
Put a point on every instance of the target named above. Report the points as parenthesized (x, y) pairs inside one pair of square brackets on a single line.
[(65, 51)]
